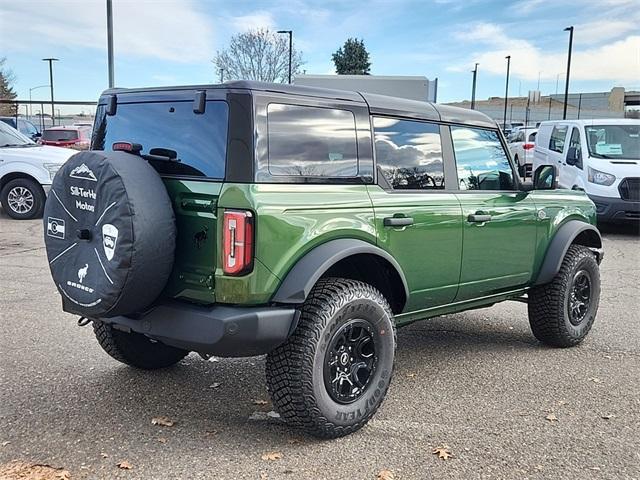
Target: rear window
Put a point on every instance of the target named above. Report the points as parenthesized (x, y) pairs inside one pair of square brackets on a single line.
[(311, 141), (60, 135), (197, 141)]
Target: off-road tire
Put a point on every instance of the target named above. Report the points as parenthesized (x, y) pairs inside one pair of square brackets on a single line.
[(135, 349), (37, 195), (295, 370), (549, 304)]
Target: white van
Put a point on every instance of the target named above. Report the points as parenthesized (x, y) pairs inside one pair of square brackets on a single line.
[(599, 156)]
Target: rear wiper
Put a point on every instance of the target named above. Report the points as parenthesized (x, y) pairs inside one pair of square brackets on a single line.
[(163, 153)]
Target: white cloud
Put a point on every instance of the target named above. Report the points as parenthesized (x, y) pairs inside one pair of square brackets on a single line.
[(253, 21), (618, 61), (166, 29), (602, 30)]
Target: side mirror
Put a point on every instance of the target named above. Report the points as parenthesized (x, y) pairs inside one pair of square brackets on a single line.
[(573, 156), (544, 178)]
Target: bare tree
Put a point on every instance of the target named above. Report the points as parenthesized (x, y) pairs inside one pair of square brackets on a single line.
[(258, 55), (6, 89)]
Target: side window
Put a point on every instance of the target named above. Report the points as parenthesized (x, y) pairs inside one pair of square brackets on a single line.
[(409, 153), (481, 160), (532, 137), (574, 142), (311, 141), (520, 136), (558, 135)]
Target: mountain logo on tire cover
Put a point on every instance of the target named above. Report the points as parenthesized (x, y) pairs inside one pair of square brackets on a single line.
[(83, 172), (109, 240)]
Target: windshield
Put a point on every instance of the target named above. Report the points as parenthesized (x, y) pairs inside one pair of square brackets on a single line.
[(614, 141), (60, 135), (10, 137)]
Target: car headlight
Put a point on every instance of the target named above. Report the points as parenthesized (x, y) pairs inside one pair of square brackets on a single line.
[(52, 168), (600, 178)]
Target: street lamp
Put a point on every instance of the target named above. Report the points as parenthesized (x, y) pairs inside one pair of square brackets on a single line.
[(290, 33), (31, 90), (473, 89), (566, 85), (51, 60), (110, 43), (222, 75), (506, 93)]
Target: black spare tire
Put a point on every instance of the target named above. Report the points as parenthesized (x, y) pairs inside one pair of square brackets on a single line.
[(109, 231)]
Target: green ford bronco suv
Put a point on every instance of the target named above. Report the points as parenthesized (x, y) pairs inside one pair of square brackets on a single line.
[(307, 224)]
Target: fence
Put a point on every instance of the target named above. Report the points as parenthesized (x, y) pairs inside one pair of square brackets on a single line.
[(39, 112)]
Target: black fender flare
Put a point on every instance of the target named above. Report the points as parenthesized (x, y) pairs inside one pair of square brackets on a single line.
[(297, 284), (558, 247)]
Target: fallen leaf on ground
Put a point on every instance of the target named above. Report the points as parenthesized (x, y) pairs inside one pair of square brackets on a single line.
[(595, 380), (23, 471), (264, 476), (104, 455), (162, 440), (552, 417), (385, 475), (4, 444), (411, 375), (162, 421), (260, 402), (607, 417), (271, 456), (214, 385), (443, 452), (124, 465)]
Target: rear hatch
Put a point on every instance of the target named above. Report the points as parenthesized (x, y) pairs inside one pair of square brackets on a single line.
[(59, 137), (188, 150)]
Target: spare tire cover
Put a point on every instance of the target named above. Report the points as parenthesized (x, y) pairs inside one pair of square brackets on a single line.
[(109, 231)]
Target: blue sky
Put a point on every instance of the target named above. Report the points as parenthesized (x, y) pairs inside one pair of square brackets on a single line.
[(166, 42)]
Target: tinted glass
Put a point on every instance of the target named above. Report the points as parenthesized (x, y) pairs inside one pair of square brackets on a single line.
[(558, 135), (481, 160), (574, 142), (311, 141), (12, 137), (409, 153), (532, 136), (60, 135), (198, 141)]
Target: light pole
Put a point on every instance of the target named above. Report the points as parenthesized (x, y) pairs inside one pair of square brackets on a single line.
[(566, 85), (506, 93), (290, 32), (31, 90), (51, 60), (222, 75), (110, 43), (473, 89)]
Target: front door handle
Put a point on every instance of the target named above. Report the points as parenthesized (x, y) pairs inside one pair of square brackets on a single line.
[(398, 221), (478, 218)]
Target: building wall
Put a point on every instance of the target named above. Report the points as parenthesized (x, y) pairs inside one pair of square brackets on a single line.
[(410, 87)]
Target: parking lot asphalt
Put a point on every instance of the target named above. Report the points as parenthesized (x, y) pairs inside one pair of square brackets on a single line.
[(477, 382)]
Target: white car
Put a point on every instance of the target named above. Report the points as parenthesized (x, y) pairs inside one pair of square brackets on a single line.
[(26, 172), (599, 156), (521, 144)]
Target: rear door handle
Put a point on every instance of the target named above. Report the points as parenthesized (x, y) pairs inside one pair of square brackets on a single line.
[(479, 218), (397, 221)]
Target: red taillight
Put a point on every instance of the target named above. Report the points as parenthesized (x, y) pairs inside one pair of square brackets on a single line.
[(528, 146), (237, 242)]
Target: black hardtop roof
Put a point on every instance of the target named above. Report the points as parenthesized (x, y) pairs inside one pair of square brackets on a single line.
[(378, 104)]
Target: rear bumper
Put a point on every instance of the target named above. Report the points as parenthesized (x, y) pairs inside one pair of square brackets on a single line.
[(218, 330), (611, 209)]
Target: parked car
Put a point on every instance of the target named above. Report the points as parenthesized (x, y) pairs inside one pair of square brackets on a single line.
[(521, 144), (26, 172), (600, 157), (23, 126), (250, 218), (78, 138)]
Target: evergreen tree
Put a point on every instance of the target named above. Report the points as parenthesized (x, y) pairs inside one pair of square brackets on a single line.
[(352, 58)]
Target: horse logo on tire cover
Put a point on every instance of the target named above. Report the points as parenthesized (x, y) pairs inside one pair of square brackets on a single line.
[(109, 240)]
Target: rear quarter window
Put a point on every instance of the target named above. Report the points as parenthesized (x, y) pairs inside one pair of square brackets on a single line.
[(311, 141), (558, 137)]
